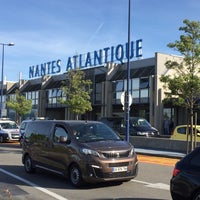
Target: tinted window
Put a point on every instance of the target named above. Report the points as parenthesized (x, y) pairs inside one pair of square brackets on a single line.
[(59, 131), (38, 128), (23, 125), (181, 130)]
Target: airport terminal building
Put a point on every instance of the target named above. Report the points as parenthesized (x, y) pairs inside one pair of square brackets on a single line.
[(109, 81)]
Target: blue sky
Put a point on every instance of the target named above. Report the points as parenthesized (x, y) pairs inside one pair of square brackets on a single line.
[(47, 30)]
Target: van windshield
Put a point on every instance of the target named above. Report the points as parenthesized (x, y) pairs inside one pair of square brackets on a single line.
[(90, 132)]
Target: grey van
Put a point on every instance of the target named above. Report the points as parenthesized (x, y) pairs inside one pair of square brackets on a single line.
[(83, 151)]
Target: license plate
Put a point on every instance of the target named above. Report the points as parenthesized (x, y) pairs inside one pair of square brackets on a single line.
[(119, 169)]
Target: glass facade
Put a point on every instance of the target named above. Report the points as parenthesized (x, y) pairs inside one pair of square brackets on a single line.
[(10, 97), (139, 89), (98, 93), (53, 97), (33, 95)]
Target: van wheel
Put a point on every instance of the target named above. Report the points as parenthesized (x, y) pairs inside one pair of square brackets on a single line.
[(28, 165), (75, 175)]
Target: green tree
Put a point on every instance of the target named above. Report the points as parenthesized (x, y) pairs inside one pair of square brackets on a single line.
[(77, 91), (184, 85), (20, 104)]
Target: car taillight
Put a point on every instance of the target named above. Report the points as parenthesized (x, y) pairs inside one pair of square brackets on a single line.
[(176, 171)]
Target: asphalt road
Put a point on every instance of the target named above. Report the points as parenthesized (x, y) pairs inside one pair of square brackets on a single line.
[(152, 182)]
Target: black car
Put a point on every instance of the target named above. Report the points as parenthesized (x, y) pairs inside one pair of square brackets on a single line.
[(138, 126), (185, 182)]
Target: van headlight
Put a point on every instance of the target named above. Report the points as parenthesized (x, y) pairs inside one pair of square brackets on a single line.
[(132, 152), (90, 152)]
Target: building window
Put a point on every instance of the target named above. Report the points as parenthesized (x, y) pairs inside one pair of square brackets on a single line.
[(144, 83), (135, 94), (139, 89), (54, 95), (119, 85), (98, 93), (135, 88), (135, 83), (144, 93), (118, 88), (125, 85), (33, 95), (8, 98)]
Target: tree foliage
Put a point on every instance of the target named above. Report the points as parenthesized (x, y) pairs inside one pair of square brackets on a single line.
[(184, 85), (77, 91), (21, 105)]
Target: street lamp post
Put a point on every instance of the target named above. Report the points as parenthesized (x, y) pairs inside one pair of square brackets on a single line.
[(128, 76), (2, 74)]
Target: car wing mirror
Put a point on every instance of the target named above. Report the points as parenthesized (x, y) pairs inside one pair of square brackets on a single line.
[(64, 139)]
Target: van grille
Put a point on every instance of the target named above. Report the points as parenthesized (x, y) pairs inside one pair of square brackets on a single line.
[(109, 155), (121, 164), (100, 174)]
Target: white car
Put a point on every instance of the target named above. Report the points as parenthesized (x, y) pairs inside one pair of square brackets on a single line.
[(9, 128)]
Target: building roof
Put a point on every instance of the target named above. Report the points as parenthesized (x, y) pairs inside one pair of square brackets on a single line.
[(31, 85), (12, 89), (134, 73)]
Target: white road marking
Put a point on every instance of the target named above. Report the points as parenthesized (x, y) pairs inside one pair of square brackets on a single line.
[(56, 196), (161, 186)]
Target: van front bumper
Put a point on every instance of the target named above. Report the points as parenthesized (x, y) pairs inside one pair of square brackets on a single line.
[(111, 171)]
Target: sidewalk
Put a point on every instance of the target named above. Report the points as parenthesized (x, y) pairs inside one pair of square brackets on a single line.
[(169, 154), (143, 151)]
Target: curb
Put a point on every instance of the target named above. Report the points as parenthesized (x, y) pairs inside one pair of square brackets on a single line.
[(152, 152)]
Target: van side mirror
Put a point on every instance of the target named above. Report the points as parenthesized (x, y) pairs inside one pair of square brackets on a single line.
[(64, 139)]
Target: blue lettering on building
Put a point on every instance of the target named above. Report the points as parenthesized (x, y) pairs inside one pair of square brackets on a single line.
[(98, 57), (91, 59), (88, 61), (52, 67)]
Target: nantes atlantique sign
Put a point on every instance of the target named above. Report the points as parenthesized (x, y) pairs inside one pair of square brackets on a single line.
[(90, 59)]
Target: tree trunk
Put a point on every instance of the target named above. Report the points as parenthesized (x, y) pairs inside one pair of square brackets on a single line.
[(19, 119)]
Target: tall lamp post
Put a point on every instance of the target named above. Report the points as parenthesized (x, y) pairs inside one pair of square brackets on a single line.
[(2, 75), (127, 107)]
